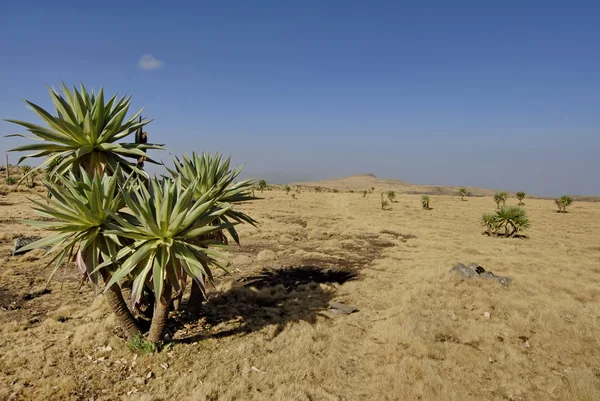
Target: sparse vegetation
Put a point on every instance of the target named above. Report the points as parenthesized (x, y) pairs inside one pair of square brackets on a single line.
[(287, 189), (462, 192), (520, 196), (318, 190), (242, 313), (507, 221), (28, 176), (11, 181), (391, 196), (262, 185), (147, 236), (365, 193), (563, 202), (141, 346), (500, 197), (425, 202), (384, 203)]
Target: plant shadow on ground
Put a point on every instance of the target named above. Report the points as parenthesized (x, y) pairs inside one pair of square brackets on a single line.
[(271, 297), (502, 236)]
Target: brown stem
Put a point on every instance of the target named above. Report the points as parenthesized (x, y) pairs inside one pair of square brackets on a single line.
[(125, 318), (161, 315), (176, 299)]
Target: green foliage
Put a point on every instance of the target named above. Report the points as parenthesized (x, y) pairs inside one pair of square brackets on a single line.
[(150, 233), (507, 221), (51, 169), (11, 181), (215, 178), (168, 226), (500, 197), (28, 177), (141, 346), (262, 185), (80, 209), (425, 202), (391, 195), (287, 189), (84, 133), (520, 196), (462, 192), (563, 202)]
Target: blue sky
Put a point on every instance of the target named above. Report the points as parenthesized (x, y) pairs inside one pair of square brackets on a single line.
[(503, 96)]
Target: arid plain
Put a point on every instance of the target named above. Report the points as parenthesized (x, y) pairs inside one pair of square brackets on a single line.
[(266, 333)]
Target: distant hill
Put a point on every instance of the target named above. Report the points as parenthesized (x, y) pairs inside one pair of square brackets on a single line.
[(361, 182)]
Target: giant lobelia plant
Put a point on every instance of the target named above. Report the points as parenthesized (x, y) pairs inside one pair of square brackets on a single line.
[(150, 233), (80, 209), (84, 133), (214, 177), (82, 139), (507, 221), (170, 230)]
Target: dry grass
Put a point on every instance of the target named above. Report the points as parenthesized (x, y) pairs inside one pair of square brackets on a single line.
[(420, 333)]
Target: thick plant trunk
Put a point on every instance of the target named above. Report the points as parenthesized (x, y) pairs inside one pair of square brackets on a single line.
[(161, 315), (125, 318)]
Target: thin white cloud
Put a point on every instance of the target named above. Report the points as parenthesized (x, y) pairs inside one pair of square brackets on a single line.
[(149, 62)]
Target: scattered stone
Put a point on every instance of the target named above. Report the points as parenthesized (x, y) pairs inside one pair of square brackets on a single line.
[(526, 345), (257, 370), (24, 241), (266, 255), (242, 260), (486, 315), (149, 375), (474, 270), (339, 308), (21, 242)]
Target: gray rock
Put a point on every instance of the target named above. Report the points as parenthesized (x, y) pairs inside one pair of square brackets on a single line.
[(24, 241), (336, 307), (474, 270)]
